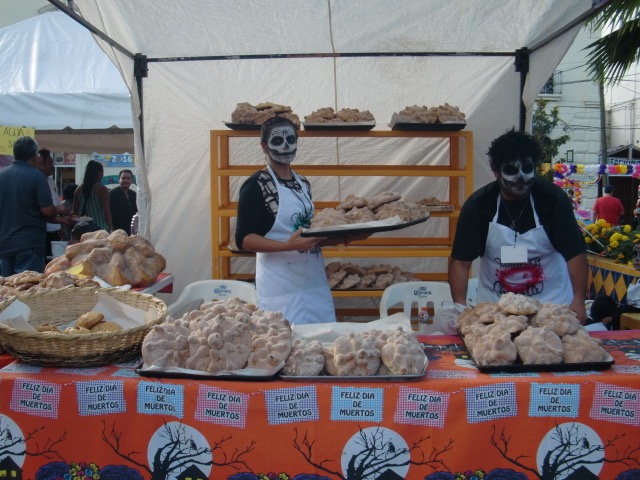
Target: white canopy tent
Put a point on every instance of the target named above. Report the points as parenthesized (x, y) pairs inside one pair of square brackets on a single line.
[(56, 79), (189, 63)]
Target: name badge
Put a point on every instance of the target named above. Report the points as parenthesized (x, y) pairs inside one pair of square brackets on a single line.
[(513, 254)]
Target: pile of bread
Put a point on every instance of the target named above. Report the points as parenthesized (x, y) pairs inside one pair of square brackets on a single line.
[(344, 115), (374, 352), (230, 335), (423, 114), (519, 329), (30, 281), (343, 276), (355, 209), (87, 323), (245, 113), (220, 336), (116, 258), (430, 201)]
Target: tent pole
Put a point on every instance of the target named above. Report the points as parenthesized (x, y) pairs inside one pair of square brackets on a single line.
[(71, 13), (522, 66), (140, 71)]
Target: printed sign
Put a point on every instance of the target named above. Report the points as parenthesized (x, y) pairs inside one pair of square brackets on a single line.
[(9, 135), (223, 407), (490, 402), (357, 404), (100, 397), (161, 399), (35, 397), (616, 404), (554, 400), (291, 405), (421, 407)]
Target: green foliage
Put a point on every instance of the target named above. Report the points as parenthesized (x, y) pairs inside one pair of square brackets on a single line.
[(612, 55), (543, 125)]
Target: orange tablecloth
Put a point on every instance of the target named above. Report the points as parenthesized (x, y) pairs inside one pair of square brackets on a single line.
[(453, 420)]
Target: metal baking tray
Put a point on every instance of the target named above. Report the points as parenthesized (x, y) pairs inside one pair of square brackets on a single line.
[(360, 126), (428, 127), (243, 126), (195, 374), (555, 367), (356, 378), (354, 228), (519, 367), (353, 379)]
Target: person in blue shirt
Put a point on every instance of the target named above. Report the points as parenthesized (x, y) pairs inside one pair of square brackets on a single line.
[(27, 206)]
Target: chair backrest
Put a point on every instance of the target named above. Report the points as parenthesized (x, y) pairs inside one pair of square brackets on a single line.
[(207, 290), (472, 292), (424, 294)]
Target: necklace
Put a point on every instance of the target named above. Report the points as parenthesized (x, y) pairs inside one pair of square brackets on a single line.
[(513, 222)]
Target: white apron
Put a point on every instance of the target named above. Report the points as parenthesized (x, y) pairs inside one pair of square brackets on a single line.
[(294, 283), (544, 276)]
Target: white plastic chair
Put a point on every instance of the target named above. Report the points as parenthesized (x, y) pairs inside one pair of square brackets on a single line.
[(472, 292), (425, 294), (197, 293)]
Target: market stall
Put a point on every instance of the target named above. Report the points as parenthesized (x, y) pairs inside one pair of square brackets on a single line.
[(311, 56), (119, 425)]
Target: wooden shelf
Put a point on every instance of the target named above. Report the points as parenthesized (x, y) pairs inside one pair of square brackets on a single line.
[(458, 171)]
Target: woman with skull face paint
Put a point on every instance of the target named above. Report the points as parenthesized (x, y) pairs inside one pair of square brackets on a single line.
[(523, 230), (274, 205)]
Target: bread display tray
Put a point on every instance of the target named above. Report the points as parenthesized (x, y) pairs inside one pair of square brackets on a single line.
[(438, 208), (428, 127), (361, 126), (519, 367), (59, 307), (353, 379), (199, 375), (243, 126), (358, 228), (555, 367)]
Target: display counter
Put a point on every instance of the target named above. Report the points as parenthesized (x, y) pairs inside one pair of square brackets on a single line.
[(114, 424)]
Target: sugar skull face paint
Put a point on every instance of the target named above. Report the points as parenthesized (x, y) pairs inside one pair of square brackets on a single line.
[(516, 177), (282, 145)]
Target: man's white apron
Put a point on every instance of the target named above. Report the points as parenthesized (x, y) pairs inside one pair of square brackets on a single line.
[(544, 276)]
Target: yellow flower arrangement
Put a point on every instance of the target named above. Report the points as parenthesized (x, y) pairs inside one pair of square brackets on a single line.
[(612, 242)]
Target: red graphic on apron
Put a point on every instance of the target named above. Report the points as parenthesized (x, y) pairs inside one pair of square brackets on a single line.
[(524, 279)]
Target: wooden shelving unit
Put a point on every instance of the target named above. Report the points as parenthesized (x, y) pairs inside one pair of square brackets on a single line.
[(459, 171)]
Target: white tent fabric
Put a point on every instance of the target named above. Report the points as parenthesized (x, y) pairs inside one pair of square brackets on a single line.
[(53, 76), (455, 51)]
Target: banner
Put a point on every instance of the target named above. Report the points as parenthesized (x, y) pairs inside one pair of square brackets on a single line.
[(8, 136), (124, 160)]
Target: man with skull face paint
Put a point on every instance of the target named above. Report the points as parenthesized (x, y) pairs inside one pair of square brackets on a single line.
[(274, 205), (524, 231)]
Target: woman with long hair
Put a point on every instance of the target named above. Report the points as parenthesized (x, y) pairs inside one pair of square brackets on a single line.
[(91, 198)]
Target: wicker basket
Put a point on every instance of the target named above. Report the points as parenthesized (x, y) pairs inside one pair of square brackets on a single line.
[(61, 307)]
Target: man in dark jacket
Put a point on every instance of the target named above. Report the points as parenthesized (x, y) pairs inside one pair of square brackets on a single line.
[(122, 201)]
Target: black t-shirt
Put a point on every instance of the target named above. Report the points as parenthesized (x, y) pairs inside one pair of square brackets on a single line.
[(258, 204), (552, 206)]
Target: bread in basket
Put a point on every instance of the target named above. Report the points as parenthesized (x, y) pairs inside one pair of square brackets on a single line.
[(61, 307)]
